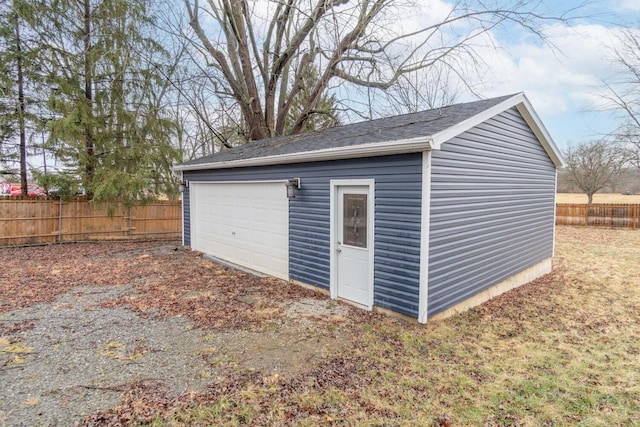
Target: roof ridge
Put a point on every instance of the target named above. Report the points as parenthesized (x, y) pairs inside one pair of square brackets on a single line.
[(401, 127), (450, 106)]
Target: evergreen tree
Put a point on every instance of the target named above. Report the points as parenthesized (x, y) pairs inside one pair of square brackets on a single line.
[(323, 115), (18, 74), (109, 120)]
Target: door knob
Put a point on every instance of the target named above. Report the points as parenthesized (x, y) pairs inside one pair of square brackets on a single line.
[(338, 250)]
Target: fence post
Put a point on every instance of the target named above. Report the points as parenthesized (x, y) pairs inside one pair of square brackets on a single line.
[(129, 209), (60, 221), (586, 214)]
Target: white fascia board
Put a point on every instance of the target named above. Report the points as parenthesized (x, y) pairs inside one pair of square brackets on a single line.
[(410, 145), (525, 108), (533, 120)]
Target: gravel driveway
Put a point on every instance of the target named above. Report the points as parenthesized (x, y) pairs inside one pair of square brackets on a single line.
[(74, 358), (75, 353)]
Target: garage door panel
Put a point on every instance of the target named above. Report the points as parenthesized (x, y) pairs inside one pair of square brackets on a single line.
[(244, 256), (247, 224), (243, 212), (262, 238)]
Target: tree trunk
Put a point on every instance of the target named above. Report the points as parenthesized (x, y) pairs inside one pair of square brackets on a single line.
[(21, 121), (89, 169), (590, 196)]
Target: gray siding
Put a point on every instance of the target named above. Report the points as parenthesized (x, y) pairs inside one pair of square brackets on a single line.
[(186, 214), (397, 227), (492, 207)]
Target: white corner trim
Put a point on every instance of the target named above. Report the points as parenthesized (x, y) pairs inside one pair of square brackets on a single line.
[(555, 207), (333, 219), (425, 218), (401, 146)]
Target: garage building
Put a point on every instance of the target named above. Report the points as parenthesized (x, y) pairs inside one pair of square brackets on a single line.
[(424, 214)]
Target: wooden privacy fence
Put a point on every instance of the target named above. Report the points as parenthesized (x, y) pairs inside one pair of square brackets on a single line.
[(599, 215), (38, 221)]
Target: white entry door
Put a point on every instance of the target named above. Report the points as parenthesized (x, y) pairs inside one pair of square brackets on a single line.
[(354, 243)]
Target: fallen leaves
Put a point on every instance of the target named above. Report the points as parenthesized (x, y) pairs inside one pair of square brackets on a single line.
[(170, 282), (142, 401), (560, 349), (32, 275)]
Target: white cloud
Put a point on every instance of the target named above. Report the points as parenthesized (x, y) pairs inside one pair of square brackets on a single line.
[(557, 80), (629, 5), (561, 80)]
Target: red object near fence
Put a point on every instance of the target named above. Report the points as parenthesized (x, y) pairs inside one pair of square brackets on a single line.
[(8, 189)]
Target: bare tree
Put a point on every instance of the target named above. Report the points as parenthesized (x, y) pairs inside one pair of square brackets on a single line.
[(623, 92), (423, 90), (592, 165), (259, 52)]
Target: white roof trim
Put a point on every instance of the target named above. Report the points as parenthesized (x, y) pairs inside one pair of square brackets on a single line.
[(533, 120), (525, 108), (410, 145), (348, 152)]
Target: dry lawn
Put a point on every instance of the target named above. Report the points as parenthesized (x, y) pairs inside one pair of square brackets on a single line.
[(597, 198), (563, 350)]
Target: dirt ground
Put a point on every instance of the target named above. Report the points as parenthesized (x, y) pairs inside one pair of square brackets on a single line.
[(83, 326)]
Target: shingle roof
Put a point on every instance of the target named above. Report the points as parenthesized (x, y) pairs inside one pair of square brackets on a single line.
[(424, 123)]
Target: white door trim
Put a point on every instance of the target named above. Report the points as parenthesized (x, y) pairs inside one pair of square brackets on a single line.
[(333, 220)]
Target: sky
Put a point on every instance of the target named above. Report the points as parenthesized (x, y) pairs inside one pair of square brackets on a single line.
[(563, 82), (562, 78)]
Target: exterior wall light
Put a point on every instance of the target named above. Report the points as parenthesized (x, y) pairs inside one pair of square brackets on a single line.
[(293, 185), (183, 186)]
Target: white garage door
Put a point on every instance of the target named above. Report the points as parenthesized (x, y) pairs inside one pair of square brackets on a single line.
[(243, 223)]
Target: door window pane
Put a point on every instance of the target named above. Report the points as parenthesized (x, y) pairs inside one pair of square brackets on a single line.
[(354, 222)]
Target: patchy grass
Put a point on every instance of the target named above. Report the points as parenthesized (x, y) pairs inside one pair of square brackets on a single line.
[(562, 350), (597, 198), (12, 352), (18, 348)]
